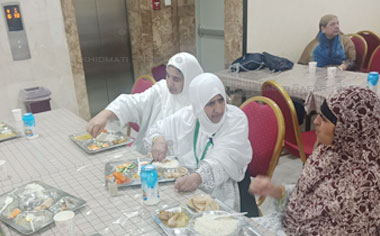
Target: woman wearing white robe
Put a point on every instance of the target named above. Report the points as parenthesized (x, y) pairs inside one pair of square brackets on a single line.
[(161, 100), (219, 153)]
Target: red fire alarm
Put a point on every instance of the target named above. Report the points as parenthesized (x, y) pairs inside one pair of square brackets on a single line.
[(156, 4)]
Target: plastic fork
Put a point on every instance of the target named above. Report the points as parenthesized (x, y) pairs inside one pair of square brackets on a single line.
[(228, 215), (8, 200), (30, 217)]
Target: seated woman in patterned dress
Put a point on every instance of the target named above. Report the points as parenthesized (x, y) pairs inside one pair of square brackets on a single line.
[(338, 190)]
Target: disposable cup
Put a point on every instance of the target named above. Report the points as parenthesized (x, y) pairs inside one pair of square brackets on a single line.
[(3, 170), (64, 221), (331, 72), (312, 67), (17, 115)]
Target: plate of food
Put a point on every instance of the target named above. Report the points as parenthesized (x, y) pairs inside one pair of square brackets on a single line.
[(127, 173), (173, 220), (31, 207), (106, 140), (215, 223), (8, 132)]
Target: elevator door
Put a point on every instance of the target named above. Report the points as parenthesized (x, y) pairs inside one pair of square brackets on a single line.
[(105, 46)]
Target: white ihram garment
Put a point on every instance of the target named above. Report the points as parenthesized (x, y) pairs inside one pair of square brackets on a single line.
[(156, 102), (227, 158)]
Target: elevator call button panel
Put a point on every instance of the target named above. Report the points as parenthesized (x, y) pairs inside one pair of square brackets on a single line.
[(16, 32)]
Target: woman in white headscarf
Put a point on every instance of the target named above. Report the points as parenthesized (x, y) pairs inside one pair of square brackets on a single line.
[(209, 136), (161, 100)]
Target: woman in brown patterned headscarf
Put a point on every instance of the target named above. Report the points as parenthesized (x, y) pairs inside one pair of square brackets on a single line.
[(338, 192)]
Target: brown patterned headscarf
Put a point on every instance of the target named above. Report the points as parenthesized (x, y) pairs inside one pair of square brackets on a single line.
[(338, 192)]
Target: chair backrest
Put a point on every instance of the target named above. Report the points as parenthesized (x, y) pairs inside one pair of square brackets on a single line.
[(142, 83), (277, 93), (266, 134), (373, 40), (159, 72), (361, 49), (374, 61)]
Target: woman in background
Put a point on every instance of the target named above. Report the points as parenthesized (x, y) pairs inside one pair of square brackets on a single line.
[(330, 47)]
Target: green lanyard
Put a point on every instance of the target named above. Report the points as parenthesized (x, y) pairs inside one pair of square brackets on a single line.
[(195, 144)]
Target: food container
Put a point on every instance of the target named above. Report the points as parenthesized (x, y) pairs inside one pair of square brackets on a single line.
[(244, 227), (131, 169), (40, 200), (103, 142), (184, 221), (8, 132)]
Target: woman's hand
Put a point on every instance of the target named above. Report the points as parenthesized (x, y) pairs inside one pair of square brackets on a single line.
[(262, 186), (188, 183), (96, 125), (159, 149)]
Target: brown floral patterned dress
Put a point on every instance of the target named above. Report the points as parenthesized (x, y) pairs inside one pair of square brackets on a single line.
[(338, 192)]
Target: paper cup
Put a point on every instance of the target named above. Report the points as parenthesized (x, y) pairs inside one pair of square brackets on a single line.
[(17, 115), (331, 72), (3, 170), (312, 67), (64, 221)]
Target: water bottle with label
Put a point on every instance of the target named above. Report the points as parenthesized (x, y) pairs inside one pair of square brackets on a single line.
[(29, 126), (149, 185), (373, 80)]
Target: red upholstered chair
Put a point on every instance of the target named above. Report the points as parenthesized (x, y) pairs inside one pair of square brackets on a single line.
[(374, 61), (373, 40), (266, 134), (297, 143), (159, 72), (361, 49), (141, 84)]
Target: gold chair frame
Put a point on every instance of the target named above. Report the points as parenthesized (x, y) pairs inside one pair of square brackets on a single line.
[(280, 135), (371, 58), (152, 80), (365, 48), (293, 112), (373, 33)]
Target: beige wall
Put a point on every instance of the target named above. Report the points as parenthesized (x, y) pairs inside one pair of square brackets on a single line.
[(50, 63), (284, 28)]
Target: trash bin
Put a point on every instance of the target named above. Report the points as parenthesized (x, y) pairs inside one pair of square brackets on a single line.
[(36, 99)]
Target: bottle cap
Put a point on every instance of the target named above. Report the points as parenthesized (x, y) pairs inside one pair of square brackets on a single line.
[(148, 167), (27, 117)]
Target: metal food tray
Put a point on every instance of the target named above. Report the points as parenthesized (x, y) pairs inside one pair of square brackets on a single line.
[(84, 144), (59, 197), (110, 167), (5, 128), (246, 228)]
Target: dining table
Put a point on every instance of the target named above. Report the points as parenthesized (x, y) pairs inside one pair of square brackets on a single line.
[(54, 159), (298, 82)]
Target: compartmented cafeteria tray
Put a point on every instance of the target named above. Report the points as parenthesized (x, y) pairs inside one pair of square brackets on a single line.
[(184, 218), (37, 201), (8, 132), (127, 173), (106, 140)]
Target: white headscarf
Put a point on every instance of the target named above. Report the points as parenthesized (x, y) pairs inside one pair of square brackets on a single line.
[(203, 88), (189, 66)]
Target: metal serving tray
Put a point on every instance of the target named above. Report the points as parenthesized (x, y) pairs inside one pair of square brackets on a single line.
[(134, 173), (29, 200), (8, 132), (245, 228), (93, 145)]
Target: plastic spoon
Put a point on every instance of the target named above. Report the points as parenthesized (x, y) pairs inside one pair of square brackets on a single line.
[(228, 215), (8, 200), (30, 217)]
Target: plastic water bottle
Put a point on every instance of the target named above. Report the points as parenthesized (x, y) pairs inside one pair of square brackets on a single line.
[(373, 80), (149, 185), (29, 126)]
